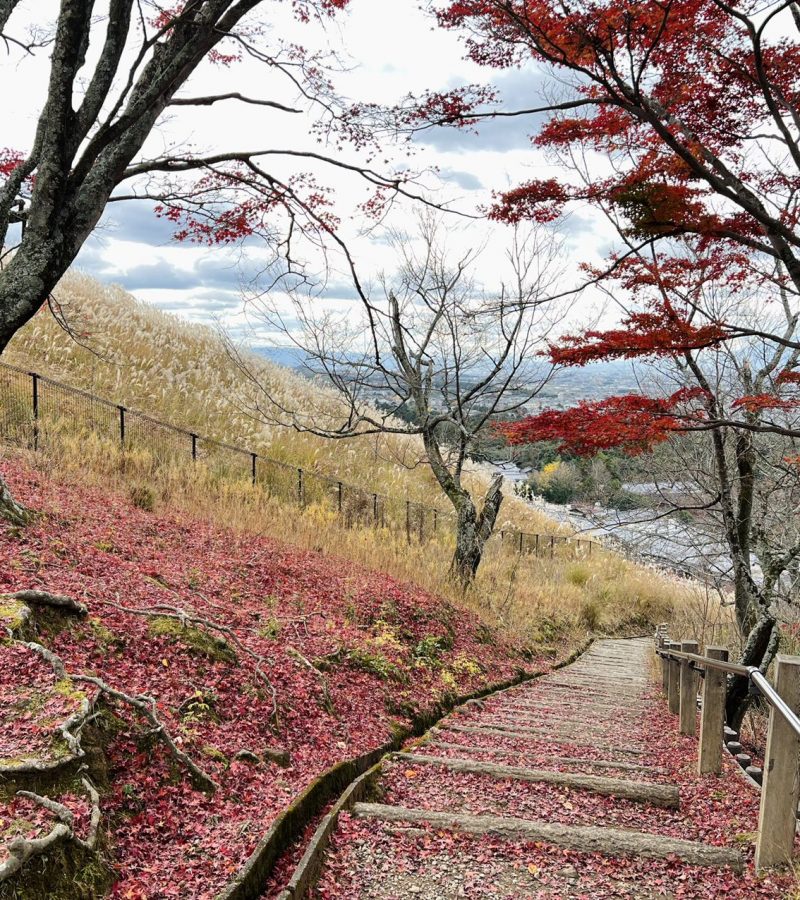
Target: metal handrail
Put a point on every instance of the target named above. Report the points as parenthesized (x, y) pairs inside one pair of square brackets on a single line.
[(753, 673)]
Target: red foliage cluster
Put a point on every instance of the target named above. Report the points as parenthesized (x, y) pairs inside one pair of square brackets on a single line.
[(10, 160), (226, 207), (670, 91), (448, 107), (166, 839), (754, 403), (539, 201), (661, 331), (633, 423)]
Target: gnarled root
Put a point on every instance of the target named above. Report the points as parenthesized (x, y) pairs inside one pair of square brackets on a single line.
[(21, 850), (327, 702), (143, 705), (146, 706), (188, 619), (55, 601)]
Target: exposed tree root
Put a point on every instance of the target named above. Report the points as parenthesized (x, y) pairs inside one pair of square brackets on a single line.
[(21, 850), (143, 705), (187, 620), (11, 510), (146, 706), (327, 702), (56, 601)]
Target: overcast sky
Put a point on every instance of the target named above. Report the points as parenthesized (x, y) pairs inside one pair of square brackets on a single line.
[(388, 56)]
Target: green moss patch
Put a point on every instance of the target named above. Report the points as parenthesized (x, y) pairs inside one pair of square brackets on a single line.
[(12, 614), (195, 639)]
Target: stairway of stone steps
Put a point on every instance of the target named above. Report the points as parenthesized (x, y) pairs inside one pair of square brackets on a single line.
[(550, 789)]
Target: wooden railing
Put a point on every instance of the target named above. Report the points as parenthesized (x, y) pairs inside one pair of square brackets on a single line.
[(681, 666)]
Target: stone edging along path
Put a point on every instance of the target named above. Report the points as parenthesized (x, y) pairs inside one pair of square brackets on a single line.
[(351, 776)]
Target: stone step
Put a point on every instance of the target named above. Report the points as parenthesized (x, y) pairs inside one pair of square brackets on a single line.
[(596, 723), (558, 760), (585, 838), (541, 734), (665, 795), (561, 701)]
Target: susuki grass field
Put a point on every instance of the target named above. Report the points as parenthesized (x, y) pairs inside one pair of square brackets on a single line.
[(153, 362)]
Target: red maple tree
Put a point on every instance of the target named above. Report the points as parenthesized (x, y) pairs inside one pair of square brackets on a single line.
[(632, 422), (695, 103)]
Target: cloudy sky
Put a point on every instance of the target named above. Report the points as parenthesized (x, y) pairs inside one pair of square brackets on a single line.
[(385, 58)]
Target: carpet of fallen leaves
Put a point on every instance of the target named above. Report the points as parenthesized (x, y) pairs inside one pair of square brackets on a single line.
[(33, 699), (396, 863), (392, 651), (389, 861)]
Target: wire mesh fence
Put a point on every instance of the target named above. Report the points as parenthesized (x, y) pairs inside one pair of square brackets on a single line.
[(40, 413)]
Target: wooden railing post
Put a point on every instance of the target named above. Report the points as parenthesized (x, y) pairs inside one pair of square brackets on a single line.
[(665, 644), (688, 700), (778, 816), (674, 680), (712, 718)]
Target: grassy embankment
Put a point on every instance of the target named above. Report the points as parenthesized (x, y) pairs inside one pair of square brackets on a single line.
[(180, 373)]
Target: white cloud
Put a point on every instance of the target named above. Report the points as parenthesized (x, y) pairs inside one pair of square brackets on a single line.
[(408, 54)]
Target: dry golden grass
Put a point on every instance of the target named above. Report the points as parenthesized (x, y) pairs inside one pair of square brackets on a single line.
[(155, 363), (180, 373)]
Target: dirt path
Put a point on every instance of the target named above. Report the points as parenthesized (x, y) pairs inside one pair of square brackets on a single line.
[(566, 787)]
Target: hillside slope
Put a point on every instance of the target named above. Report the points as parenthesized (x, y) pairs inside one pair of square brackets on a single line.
[(133, 354), (352, 656)]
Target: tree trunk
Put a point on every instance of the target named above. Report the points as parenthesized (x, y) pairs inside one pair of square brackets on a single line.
[(759, 650), (473, 530), (10, 510)]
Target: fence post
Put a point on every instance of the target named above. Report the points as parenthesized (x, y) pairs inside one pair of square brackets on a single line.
[(536, 546), (35, 386), (673, 685), (435, 519), (421, 524), (375, 510), (712, 717), (590, 546), (688, 698), (408, 521), (552, 545), (339, 497), (121, 425), (194, 447), (665, 643), (779, 794), (299, 485), (253, 461), (520, 542)]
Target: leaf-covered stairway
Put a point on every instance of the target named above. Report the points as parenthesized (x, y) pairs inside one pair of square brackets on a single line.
[(572, 786)]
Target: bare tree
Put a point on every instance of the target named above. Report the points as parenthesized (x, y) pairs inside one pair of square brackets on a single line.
[(430, 354), (116, 70)]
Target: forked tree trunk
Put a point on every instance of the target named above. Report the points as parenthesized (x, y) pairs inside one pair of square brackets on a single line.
[(759, 650), (473, 529)]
